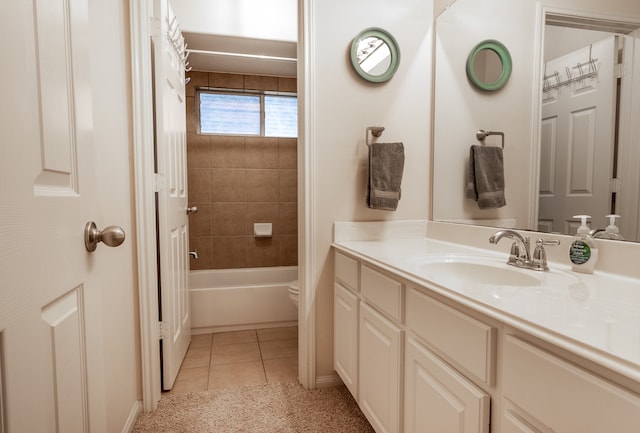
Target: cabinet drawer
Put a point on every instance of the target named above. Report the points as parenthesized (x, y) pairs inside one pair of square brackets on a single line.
[(383, 292), (346, 271), (468, 342), (562, 396)]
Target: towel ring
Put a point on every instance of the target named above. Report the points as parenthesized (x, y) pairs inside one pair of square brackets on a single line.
[(482, 134), (376, 131)]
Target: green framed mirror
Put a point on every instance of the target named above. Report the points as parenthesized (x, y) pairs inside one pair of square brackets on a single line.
[(489, 65), (375, 55)]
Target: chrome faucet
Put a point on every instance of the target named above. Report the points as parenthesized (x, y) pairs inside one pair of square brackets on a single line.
[(519, 255), (194, 254)]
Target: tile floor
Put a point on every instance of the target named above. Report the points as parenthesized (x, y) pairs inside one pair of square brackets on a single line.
[(228, 359)]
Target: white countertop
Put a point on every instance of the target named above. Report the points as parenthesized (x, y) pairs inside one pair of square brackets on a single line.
[(596, 316)]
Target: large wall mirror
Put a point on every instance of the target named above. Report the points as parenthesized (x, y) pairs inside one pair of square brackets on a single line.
[(571, 138)]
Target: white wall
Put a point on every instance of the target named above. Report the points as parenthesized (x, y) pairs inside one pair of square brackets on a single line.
[(342, 106), (274, 19)]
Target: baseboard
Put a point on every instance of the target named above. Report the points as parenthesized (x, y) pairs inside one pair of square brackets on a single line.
[(133, 415), (246, 327), (328, 381)]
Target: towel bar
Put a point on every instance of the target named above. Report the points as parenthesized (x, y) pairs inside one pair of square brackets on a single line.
[(482, 134)]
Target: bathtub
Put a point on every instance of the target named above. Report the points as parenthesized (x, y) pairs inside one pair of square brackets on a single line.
[(237, 299)]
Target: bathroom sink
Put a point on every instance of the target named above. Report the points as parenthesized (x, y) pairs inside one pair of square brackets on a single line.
[(456, 270)]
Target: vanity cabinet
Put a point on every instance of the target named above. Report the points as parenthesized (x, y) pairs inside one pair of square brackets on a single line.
[(420, 358), (400, 384), (543, 392)]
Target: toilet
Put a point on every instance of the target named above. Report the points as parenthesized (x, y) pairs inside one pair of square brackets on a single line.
[(294, 290)]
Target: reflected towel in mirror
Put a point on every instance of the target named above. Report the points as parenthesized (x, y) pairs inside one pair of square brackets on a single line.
[(386, 164), (485, 182)]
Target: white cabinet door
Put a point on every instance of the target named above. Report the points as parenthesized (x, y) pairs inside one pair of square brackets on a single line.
[(345, 339), (438, 398), (380, 370)]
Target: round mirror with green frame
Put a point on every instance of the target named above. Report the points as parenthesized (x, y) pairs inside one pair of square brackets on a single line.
[(375, 55), (489, 65)]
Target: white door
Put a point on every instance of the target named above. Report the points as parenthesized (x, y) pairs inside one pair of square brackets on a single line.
[(171, 154), (577, 139), (51, 332)]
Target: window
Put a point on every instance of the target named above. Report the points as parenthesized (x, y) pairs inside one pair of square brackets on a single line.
[(237, 113)]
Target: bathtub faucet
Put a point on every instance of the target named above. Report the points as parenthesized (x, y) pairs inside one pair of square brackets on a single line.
[(194, 254)]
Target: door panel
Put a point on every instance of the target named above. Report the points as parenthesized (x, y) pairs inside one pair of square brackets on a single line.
[(173, 229), (64, 319)]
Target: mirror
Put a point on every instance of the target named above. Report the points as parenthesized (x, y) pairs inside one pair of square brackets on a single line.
[(375, 55), (534, 164), (489, 66)]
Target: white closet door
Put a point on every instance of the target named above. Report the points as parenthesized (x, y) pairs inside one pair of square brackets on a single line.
[(173, 224)]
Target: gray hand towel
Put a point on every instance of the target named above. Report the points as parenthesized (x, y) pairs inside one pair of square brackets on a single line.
[(485, 182), (386, 163)]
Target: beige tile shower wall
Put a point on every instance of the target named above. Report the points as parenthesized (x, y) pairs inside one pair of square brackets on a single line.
[(238, 181)]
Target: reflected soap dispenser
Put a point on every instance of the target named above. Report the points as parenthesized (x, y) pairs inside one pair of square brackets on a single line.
[(612, 231), (583, 252)]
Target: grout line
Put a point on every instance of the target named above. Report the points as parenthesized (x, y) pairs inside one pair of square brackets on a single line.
[(210, 358)]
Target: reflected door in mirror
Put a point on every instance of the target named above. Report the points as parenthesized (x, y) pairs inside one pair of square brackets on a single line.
[(577, 140)]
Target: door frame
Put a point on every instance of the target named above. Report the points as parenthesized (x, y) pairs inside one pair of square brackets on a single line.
[(145, 207)]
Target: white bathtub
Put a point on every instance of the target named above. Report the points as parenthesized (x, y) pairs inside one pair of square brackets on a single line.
[(236, 299)]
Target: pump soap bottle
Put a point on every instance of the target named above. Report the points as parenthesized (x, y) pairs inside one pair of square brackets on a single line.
[(583, 252)]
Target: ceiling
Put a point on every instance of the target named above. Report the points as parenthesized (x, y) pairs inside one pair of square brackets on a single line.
[(231, 54)]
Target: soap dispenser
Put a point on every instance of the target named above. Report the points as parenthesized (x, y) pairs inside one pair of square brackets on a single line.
[(612, 231), (583, 252)]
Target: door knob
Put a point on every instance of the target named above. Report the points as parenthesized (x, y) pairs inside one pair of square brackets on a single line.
[(192, 209), (111, 236)]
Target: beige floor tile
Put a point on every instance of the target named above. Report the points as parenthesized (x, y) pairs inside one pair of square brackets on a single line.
[(203, 340), (277, 349), (197, 357), (281, 370), (234, 337), (191, 379), (234, 353), (240, 374), (277, 333)]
